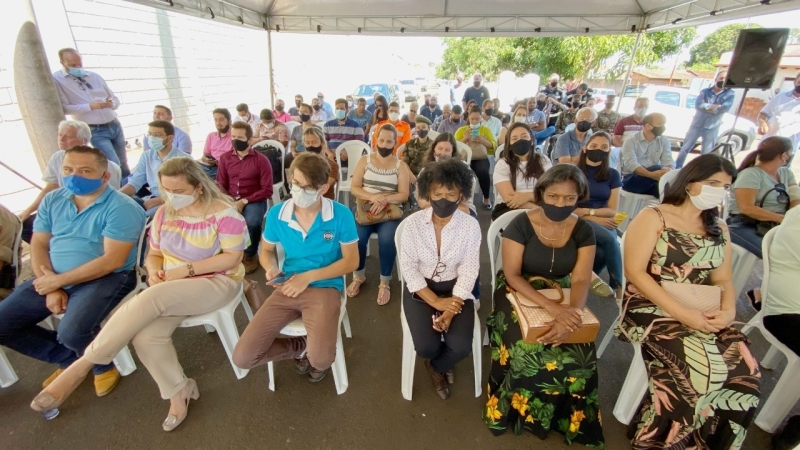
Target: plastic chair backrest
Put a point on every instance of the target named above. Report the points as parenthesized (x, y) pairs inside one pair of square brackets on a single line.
[(666, 178), (400, 151), (622, 253), (397, 239), (432, 135), (355, 150), (140, 246), (493, 235), (291, 126), (498, 154), (464, 150), (766, 243), (277, 145)]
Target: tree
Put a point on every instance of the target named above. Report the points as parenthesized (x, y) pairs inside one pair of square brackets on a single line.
[(715, 44), (571, 57)]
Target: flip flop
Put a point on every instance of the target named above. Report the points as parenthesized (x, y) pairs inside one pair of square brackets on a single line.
[(384, 294), (355, 286)]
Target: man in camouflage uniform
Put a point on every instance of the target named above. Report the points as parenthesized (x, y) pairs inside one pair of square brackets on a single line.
[(607, 118), (567, 117)]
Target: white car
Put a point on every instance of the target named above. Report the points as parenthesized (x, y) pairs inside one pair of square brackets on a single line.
[(410, 90), (678, 105)]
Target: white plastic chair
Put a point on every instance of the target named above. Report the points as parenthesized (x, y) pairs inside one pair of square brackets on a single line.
[(666, 178), (610, 333), (499, 152), (410, 356), (631, 204), (493, 243), (355, 149), (464, 150), (223, 322), (7, 374), (743, 264), (276, 187), (297, 328), (291, 126), (786, 392)]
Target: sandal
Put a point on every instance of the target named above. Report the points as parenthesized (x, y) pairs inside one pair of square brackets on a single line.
[(355, 286), (601, 289), (384, 295)]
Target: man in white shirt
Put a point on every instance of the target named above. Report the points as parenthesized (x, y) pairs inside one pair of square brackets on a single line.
[(319, 116), (781, 116), (181, 141), (86, 97), (71, 133), (646, 157), (243, 115)]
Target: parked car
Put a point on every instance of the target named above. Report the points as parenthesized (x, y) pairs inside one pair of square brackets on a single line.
[(678, 105), (367, 91), (635, 91), (410, 90)]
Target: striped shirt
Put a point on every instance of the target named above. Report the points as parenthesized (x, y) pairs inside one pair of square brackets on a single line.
[(336, 133), (183, 239), (380, 180)]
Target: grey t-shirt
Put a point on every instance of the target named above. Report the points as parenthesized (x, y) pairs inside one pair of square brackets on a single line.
[(755, 178), (297, 136)]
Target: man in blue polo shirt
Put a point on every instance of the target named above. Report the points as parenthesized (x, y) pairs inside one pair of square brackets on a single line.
[(320, 241), (160, 137), (83, 255), (568, 145)]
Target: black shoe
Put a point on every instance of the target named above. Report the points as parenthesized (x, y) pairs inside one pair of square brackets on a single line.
[(302, 366), (756, 304), (315, 376)]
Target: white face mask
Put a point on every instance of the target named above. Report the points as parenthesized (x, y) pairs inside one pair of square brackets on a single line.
[(709, 197), (640, 112), (303, 198), (180, 201), (394, 117), (519, 119)]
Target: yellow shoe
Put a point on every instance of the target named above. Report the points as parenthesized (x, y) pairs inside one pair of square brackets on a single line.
[(106, 382), (51, 378)]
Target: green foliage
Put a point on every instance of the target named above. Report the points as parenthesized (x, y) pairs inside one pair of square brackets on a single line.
[(715, 44), (571, 57)]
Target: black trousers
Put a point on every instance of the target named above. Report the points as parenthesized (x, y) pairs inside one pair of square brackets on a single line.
[(784, 327), (481, 169), (457, 344)]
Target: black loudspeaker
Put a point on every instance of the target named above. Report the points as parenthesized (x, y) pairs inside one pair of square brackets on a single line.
[(756, 57)]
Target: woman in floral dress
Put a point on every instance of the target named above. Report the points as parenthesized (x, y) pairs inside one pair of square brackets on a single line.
[(547, 385), (704, 383)]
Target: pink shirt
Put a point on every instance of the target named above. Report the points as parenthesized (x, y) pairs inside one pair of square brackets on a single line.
[(282, 116), (217, 145)]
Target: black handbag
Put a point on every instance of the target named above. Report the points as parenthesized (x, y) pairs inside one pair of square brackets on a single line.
[(763, 226)]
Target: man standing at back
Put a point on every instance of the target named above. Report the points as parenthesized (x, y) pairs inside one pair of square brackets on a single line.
[(86, 97), (181, 140), (457, 90), (712, 103), (83, 254), (477, 93), (781, 116)]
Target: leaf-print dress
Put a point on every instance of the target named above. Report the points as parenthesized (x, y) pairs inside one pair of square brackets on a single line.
[(538, 387), (704, 387)]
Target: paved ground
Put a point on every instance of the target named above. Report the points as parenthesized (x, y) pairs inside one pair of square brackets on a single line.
[(244, 414)]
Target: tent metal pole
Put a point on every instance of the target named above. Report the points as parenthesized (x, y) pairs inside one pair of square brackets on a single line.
[(630, 68), (271, 74)]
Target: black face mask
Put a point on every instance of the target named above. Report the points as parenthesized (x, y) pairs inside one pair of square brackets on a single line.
[(576, 105), (443, 207), (557, 213), (658, 131), (298, 103), (432, 105), (305, 117), (455, 119), (521, 147), (540, 105), (422, 133), (797, 89), (279, 108), (239, 146), (317, 149), (316, 107), (719, 84), (553, 83), (476, 84), (583, 126), (489, 111), (596, 155), (385, 152)]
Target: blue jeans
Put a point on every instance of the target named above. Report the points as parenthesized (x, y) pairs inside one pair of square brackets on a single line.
[(641, 185), (110, 140), (709, 137), (254, 216), (149, 212), (608, 254), (544, 134), (88, 305), (745, 236), (211, 171), (386, 249)]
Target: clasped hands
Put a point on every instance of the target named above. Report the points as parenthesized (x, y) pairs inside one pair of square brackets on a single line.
[(566, 319), (449, 307), (379, 202)]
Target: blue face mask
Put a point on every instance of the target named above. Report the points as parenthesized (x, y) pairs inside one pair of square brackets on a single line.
[(155, 143), (79, 185), (76, 72), (340, 114)]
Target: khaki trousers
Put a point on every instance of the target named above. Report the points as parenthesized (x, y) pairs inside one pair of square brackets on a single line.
[(149, 319), (319, 308)]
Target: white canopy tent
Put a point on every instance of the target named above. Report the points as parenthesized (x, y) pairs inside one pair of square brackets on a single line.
[(472, 17)]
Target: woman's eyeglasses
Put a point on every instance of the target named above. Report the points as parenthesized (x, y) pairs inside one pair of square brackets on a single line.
[(438, 271)]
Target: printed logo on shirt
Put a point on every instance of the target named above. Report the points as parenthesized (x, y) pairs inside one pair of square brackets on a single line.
[(327, 235)]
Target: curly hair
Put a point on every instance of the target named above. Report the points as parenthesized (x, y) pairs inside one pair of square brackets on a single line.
[(451, 173)]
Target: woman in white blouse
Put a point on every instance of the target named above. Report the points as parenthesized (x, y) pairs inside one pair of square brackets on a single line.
[(515, 174), (440, 259)]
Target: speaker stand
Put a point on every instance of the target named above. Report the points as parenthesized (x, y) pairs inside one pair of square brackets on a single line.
[(725, 149)]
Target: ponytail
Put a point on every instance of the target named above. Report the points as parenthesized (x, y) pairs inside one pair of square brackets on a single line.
[(769, 149)]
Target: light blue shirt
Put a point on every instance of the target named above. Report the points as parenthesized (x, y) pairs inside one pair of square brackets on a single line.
[(637, 152), (181, 140), (704, 118), (76, 95), (328, 109), (568, 144), (320, 247), (77, 237), (146, 170)]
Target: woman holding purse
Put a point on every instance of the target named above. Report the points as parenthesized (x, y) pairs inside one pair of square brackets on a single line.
[(695, 359), (380, 185), (548, 385)]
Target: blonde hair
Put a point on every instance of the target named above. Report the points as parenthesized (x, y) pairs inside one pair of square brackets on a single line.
[(195, 176), (317, 131)]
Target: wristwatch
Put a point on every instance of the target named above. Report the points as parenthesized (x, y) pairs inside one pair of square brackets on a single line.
[(591, 212)]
